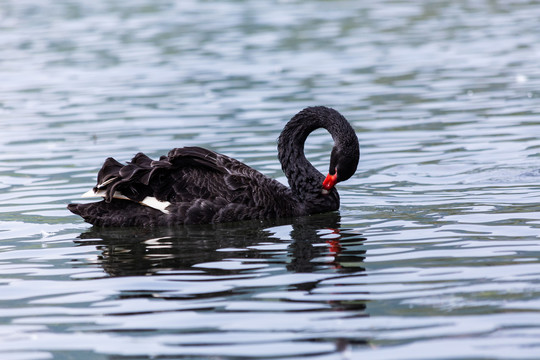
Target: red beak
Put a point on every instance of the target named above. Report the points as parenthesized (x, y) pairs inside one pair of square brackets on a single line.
[(330, 181)]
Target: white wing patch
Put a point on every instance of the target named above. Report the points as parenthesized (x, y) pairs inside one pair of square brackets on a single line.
[(154, 203), (101, 193), (149, 201)]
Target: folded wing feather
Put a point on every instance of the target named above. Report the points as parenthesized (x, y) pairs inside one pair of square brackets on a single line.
[(149, 201)]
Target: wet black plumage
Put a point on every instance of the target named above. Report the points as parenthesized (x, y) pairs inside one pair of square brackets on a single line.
[(203, 186)]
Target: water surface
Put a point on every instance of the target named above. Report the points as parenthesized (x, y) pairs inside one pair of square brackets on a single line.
[(433, 255)]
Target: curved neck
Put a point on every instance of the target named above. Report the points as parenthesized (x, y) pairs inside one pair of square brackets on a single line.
[(303, 178)]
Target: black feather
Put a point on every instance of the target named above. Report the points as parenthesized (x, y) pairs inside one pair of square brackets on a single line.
[(203, 186)]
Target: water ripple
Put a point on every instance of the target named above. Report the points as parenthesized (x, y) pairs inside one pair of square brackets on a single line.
[(436, 243)]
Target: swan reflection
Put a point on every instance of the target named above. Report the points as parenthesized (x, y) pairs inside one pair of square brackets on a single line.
[(305, 245)]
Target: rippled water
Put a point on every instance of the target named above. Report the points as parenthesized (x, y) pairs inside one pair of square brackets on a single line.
[(434, 254)]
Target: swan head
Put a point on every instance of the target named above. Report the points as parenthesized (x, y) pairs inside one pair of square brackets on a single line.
[(343, 164)]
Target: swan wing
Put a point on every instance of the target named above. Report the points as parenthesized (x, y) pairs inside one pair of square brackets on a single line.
[(186, 175)]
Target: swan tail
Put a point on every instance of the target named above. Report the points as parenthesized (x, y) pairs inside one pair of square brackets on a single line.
[(120, 213)]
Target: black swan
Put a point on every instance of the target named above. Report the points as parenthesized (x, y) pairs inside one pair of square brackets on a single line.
[(192, 185)]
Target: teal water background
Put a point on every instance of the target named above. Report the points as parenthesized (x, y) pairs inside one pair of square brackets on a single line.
[(433, 255)]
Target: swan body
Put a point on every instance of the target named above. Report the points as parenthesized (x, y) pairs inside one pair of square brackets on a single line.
[(192, 185)]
